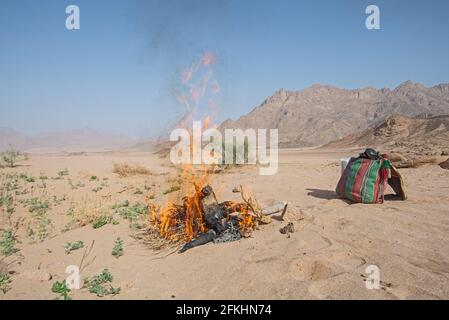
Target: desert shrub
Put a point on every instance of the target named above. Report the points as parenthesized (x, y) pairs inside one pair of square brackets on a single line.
[(62, 174), (128, 212), (100, 222), (61, 289), (40, 225), (77, 185), (101, 284), (7, 243), (36, 206), (6, 200), (117, 251), (4, 282), (124, 169), (69, 246), (45, 228), (27, 178), (11, 156), (88, 211)]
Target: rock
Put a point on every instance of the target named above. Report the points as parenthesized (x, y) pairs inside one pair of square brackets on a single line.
[(289, 228), (445, 164)]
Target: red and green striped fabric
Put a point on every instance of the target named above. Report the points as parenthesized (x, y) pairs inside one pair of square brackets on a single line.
[(364, 180)]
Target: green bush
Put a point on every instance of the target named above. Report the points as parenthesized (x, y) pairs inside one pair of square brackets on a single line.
[(4, 282), (61, 289), (117, 251), (69, 246), (7, 243), (11, 156), (101, 284)]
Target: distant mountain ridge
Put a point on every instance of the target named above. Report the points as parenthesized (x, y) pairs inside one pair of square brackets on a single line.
[(85, 139), (321, 113), (428, 136)]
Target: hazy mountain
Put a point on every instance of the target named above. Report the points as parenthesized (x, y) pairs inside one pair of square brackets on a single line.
[(85, 139), (320, 114)]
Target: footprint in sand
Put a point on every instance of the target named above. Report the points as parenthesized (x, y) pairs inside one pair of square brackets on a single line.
[(324, 265), (310, 270)]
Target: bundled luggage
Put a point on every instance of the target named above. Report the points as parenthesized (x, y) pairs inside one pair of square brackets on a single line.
[(366, 178)]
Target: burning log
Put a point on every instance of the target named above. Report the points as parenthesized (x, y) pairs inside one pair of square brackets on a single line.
[(202, 239)]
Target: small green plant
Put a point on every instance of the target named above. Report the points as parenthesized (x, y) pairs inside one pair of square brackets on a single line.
[(101, 284), (69, 246), (4, 282), (45, 228), (117, 251), (7, 243), (38, 209), (69, 226), (63, 173), (27, 178), (61, 289), (132, 213), (120, 205), (36, 206), (93, 178), (100, 222), (6, 200), (76, 186)]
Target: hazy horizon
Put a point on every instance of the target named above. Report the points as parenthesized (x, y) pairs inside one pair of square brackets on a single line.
[(120, 73)]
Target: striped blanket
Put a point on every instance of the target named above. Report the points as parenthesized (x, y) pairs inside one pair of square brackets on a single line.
[(364, 180)]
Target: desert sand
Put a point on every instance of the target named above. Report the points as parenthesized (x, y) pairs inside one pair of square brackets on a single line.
[(333, 243)]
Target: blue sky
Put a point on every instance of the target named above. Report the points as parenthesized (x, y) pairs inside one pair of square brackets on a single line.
[(119, 72)]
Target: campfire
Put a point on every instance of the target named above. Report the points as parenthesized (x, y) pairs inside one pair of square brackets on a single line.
[(200, 218), (197, 217)]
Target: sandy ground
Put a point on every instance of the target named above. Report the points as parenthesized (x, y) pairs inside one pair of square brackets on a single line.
[(324, 258)]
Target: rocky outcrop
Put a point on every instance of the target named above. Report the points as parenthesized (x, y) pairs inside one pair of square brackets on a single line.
[(321, 114)]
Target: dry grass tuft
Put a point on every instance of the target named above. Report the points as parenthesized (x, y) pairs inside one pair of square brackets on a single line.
[(125, 170), (88, 211)]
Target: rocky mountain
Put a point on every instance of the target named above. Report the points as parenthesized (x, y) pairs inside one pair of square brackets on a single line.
[(320, 114), (85, 139), (418, 136)]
